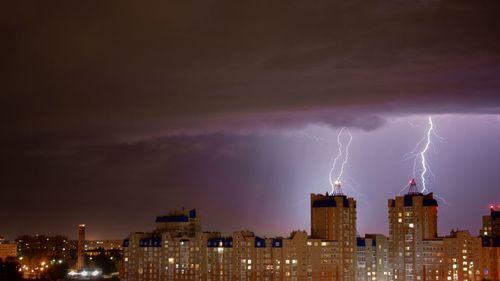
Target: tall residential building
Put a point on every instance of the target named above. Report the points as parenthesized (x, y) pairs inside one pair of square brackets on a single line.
[(412, 220), (491, 223), (80, 263), (490, 235), (333, 218), (490, 254), (372, 258), (178, 250), (495, 221)]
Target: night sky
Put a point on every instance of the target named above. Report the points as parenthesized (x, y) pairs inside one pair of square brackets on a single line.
[(113, 112)]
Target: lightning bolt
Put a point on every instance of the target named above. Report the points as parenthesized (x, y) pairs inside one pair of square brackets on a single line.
[(423, 160), (346, 159), (420, 151), (339, 154), (336, 180)]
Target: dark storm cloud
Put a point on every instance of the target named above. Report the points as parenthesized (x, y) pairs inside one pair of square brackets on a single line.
[(116, 111), (161, 66), (121, 187)]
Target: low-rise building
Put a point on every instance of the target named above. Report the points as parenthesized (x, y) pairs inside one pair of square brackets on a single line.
[(171, 254), (8, 250)]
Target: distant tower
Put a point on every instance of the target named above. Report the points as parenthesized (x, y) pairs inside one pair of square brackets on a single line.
[(333, 218), (80, 264), (412, 219)]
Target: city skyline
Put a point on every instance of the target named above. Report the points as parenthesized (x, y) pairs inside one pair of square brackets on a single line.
[(178, 248), (115, 112)]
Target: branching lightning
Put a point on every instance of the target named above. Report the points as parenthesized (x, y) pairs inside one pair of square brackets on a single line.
[(343, 153), (420, 153)]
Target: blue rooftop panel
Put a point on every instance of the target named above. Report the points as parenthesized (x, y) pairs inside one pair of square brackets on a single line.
[(408, 200), (430, 202), (277, 243), (260, 243), (192, 213), (172, 219), (360, 242), (329, 202), (346, 202)]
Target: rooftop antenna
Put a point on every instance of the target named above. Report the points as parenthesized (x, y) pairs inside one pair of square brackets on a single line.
[(337, 189), (413, 188)]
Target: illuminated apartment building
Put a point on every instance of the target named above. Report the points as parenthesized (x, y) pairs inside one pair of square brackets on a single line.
[(462, 257), (372, 258), (490, 235), (416, 251), (490, 254), (412, 220), (167, 253), (333, 218), (178, 250), (245, 256), (432, 260), (454, 257)]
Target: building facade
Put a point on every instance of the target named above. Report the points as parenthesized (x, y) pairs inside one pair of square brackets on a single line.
[(372, 258), (8, 250), (490, 236), (179, 250), (412, 220), (333, 218)]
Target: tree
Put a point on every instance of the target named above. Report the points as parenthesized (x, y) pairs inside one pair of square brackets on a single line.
[(10, 270)]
